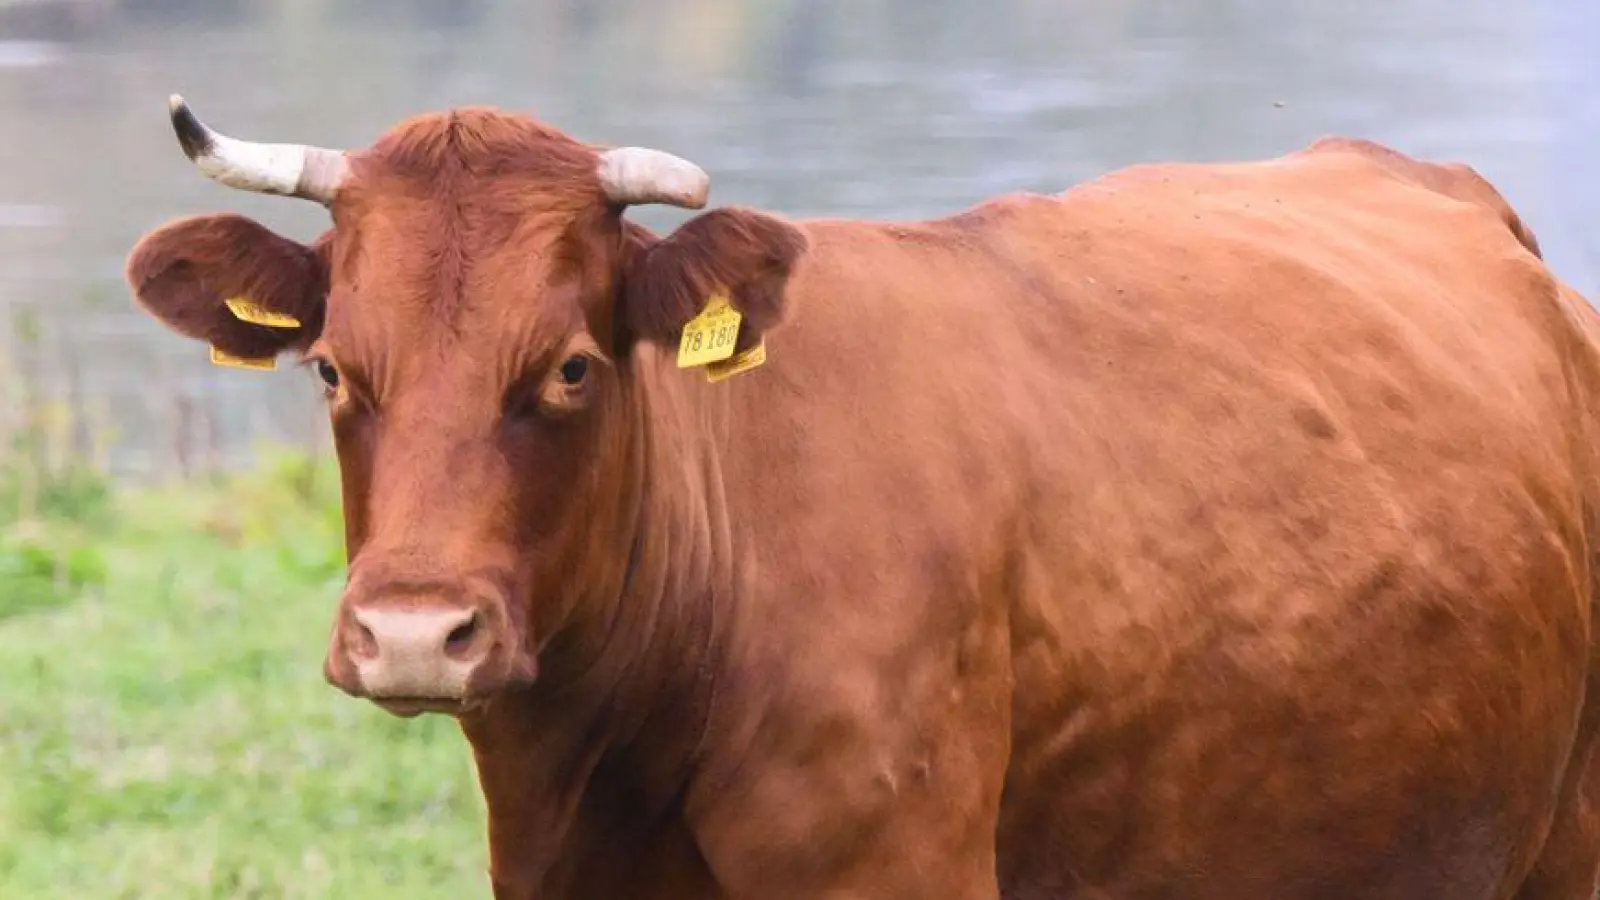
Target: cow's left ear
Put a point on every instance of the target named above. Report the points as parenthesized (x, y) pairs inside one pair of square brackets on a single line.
[(229, 281), (743, 254)]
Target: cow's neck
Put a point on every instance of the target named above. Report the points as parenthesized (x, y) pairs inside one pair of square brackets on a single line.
[(624, 690)]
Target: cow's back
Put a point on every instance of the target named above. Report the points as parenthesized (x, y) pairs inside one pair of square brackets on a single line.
[(1263, 489)]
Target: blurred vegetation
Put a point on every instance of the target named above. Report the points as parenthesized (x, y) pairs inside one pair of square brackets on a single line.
[(164, 727)]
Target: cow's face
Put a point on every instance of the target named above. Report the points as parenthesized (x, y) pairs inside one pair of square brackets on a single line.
[(471, 319)]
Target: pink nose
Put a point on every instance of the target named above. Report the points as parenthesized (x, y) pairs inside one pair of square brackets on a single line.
[(416, 653)]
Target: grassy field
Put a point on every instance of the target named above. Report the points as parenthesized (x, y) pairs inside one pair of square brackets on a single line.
[(164, 727)]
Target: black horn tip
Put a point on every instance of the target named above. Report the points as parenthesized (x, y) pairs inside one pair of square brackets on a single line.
[(193, 137)]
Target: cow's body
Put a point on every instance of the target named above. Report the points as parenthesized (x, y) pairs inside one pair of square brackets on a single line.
[(1204, 532)]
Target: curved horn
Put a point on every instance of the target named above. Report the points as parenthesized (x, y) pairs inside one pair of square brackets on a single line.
[(634, 175), (291, 170)]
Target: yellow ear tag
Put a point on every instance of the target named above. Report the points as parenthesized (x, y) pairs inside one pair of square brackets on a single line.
[(744, 362), (255, 314), (223, 358), (710, 336)]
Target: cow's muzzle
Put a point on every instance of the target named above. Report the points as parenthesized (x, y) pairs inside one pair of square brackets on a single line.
[(412, 654)]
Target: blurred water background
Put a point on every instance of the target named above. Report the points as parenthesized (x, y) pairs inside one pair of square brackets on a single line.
[(880, 108)]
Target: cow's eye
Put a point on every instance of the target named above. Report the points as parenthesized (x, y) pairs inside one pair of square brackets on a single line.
[(574, 369), (328, 374)]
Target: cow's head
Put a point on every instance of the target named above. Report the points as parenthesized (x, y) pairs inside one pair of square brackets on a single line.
[(475, 316)]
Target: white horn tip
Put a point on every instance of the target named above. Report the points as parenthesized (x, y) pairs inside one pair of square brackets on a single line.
[(193, 136), (640, 175), (695, 197)]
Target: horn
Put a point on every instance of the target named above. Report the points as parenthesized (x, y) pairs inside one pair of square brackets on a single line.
[(634, 175), (290, 170)]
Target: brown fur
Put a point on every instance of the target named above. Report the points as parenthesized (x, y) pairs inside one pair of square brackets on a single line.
[(1204, 532)]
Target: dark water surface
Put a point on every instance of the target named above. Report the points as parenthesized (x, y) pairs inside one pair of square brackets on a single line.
[(881, 108)]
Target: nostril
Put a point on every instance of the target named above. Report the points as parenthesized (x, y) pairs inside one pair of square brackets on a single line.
[(363, 643), (460, 638)]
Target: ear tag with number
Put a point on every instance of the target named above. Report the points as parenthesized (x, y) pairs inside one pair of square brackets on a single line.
[(709, 337), (255, 314)]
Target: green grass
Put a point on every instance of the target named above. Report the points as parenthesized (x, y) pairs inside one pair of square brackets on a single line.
[(164, 727)]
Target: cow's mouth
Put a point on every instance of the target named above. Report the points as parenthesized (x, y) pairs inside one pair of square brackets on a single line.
[(411, 707)]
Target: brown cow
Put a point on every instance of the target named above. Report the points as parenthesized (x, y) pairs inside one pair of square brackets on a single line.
[(1205, 531)]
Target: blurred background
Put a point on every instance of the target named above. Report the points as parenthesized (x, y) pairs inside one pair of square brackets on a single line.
[(169, 534)]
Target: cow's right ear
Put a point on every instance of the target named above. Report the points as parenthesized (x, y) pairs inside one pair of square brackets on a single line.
[(740, 253), (186, 272)]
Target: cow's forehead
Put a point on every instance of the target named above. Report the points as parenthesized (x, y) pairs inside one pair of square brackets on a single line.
[(443, 154), (473, 238), (416, 296), (417, 291), (454, 214)]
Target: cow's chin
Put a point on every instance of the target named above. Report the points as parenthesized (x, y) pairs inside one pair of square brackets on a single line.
[(411, 707)]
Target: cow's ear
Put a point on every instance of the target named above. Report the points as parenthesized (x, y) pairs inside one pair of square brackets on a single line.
[(742, 254), (192, 273)]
